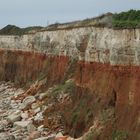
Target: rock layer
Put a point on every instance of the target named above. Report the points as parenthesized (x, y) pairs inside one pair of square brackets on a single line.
[(117, 47), (91, 72)]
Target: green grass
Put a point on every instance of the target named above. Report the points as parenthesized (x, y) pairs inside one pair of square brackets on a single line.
[(14, 30), (119, 135), (129, 19), (89, 136), (67, 87)]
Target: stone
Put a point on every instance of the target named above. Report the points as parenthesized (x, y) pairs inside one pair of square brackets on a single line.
[(16, 116), (42, 138), (24, 115), (40, 128), (61, 138), (59, 134), (6, 136), (70, 138), (31, 128), (28, 100), (22, 106), (1, 128), (42, 95), (37, 110), (22, 124), (34, 135), (39, 116), (34, 105)]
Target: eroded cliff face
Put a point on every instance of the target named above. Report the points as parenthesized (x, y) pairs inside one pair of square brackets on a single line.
[(102, 101), (117, 47)]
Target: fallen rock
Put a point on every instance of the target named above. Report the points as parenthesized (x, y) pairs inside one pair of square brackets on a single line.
[(22, 124), (40, 128), (28, 100), (16, 116), (24, 115), (42, 138), (34, 105), (31, 128), (59, 134), (37, 110), (34, 135), (61, 138), (6, 136), (42, 95), (39, 116)]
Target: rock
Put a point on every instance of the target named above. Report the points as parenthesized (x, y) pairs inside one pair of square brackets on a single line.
[(61, 138), (22, 124), (24, 115), (38, 117), (31, 128), (6, 136), (16, 116), (37, 110), (18, 92), (34, 105), (34, 135), (28, 100), (42, 95), (42, 138), (1, 128), (70, 138), (22, 106), (40, 128), (59, 134)]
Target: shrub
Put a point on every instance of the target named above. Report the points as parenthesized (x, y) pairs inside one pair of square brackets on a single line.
[(129, 19), (89, 136), (119, 135)]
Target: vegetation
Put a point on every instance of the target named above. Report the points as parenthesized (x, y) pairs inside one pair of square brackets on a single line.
[(129, 19), (14, 30), (119, 135), (67, 87), (90, 136)]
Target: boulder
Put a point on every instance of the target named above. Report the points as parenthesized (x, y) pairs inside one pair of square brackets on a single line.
[(16, 116), (24, 115), (40, 128), (42, 138), (34, 105), (28, 100), (6, 136), (34, 135), (43, 95), (22, 124), (59, 135), (31, 128)]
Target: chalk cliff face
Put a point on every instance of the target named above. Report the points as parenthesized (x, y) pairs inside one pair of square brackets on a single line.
[(117, 47), (104, 65)]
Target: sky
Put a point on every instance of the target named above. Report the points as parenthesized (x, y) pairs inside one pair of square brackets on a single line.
[(25, 13)]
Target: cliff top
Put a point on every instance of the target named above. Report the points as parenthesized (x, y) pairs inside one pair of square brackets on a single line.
[(123, 20)]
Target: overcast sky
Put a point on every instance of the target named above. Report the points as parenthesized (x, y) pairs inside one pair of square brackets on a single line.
[(41, 12)]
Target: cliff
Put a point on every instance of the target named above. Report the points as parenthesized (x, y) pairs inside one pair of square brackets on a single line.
[(97, 69), (91, 44)]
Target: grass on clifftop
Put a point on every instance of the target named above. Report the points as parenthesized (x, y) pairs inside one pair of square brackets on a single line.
[(129, 19), (14, 30)]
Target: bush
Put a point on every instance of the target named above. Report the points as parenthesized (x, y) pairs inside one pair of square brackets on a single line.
[(89, 136), (119, 135), (14, 30), (130, 19)]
